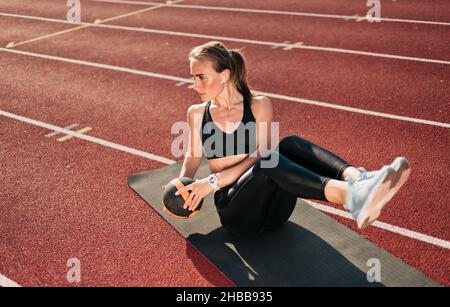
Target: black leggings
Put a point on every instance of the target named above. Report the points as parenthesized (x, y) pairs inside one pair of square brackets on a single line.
[(264, 198)]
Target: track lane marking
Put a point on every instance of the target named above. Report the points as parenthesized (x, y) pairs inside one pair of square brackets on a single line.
[(55, 133), (272, 95), (395, 229), (239, 40), (86, 25), (8, 283), (68, 137), (88, 138), (275, 12)]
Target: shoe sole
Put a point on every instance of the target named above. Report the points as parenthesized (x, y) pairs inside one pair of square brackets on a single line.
[(377, 200), (403, 169)]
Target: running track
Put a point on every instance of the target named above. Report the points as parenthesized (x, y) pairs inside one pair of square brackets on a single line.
[(367, 91)]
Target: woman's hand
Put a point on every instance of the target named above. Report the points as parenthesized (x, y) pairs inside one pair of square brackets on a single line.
[(199, 189)]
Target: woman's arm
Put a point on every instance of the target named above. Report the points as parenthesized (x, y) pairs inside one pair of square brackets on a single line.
[(190, 166), (232, 174), (194, 153), (263, 113)]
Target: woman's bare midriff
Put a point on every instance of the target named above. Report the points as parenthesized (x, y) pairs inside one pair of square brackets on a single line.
[(220, 164)]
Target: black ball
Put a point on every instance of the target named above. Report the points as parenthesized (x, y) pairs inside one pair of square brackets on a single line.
[(173, 204)]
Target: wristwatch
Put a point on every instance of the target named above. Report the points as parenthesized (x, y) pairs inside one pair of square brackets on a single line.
[(214, 182)]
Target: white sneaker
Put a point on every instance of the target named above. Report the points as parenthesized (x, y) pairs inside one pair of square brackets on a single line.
[(366, 198), (403, 168), (400, 165)]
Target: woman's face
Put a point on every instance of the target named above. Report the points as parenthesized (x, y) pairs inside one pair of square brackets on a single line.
[(207, 82)]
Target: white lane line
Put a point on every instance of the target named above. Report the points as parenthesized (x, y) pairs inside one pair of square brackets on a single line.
[(388, 227), (272, 95), (98, 65), (8, 283), (275, 12), (52, 134), (356, 110), (278, 44), (154, 6), (88, 138), (237, 40), (68, 137), (395, 229), (13, 44)]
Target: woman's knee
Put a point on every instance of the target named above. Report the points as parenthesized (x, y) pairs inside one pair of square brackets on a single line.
[(287, 143), (270, 161)]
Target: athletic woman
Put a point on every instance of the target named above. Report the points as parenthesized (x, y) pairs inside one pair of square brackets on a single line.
[(249, 196)]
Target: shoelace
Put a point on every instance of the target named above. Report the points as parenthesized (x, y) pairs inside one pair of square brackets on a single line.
[(362, 182), (362, 175)]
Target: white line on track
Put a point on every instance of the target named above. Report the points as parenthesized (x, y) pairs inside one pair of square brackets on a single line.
[(388, 227), (355, 110), (13, 44), (272, 95), (235, 40), (8, 283), (88, 138), (98, 65), (55, 133), (395, 229), (274, 12)]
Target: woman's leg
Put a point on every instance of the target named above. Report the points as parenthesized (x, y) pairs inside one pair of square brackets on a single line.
[(315, 158), (247, 207), (250, 205), (336, 191)]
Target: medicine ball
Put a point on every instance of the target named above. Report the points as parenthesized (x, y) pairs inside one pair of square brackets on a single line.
[(173, 204)]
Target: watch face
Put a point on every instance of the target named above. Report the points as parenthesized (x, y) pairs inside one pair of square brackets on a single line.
[(211, 180)]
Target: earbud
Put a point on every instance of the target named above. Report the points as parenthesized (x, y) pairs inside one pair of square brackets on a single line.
[(223, 80)]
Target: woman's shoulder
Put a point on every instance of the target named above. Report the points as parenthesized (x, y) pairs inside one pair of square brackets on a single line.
[(195, 112), (260, 99), (197, 108), (260, 103)]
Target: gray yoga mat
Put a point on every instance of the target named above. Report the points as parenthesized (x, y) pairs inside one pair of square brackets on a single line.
[(312, 249)]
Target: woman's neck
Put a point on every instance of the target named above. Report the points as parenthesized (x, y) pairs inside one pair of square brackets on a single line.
[(228, 99)]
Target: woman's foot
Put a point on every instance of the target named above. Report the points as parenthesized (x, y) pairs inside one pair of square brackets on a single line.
[(367, 197), (400, 165)]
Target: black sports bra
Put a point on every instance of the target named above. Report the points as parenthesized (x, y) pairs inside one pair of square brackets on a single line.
[(218, 144)]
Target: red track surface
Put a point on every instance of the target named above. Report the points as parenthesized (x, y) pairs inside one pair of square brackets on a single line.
[(70, 199)]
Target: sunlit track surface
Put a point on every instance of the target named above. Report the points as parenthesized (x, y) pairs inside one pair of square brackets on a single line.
[(367, 91)]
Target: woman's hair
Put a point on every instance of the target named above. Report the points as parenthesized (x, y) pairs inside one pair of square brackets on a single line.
[(223, 58)]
